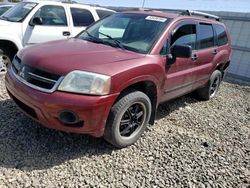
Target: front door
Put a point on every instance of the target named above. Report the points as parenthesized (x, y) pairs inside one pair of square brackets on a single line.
[(179, 76), (54, 26)]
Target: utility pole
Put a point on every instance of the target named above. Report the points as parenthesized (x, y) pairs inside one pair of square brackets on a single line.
[(143, 3)]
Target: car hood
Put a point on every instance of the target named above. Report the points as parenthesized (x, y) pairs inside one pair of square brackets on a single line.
[(64, 56), (4, 23)]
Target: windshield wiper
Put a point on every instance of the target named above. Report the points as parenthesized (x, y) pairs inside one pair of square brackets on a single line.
[(117, 42), (93, 38), (4, 18)]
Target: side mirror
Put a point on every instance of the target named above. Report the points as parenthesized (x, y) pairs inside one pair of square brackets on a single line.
[(36, 21), (182, 51)]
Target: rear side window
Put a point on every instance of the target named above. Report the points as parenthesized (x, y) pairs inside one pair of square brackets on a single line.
[(221, 35), (185, 35), (206, 36), (81, 17), (103, 13)]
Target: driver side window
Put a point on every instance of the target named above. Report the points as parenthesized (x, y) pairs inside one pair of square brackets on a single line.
[(185, 35), (52, 15)]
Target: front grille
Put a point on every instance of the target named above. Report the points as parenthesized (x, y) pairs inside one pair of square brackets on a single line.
[(24, 107), (33, 76)]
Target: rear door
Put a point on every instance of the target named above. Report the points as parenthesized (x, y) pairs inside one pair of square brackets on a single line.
[(179, 75), (205, 55), (54, 25)]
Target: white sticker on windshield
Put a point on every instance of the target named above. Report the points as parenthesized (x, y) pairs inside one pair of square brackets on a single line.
[(155, 18)]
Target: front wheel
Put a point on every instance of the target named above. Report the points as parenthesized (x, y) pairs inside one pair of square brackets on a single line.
[(212, 87), (5, 60), (128, 119)]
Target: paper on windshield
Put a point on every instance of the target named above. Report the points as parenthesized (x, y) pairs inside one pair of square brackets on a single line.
[(156, 18)]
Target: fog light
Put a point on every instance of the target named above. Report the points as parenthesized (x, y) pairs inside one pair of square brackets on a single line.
[(70, 119)]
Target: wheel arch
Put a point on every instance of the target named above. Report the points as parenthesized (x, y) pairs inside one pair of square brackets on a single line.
[(10, 45), (222, 67), (148, 87)]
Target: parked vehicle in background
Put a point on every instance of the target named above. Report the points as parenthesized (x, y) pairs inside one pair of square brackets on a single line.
[(33, 22), (110, 79), (5, 7)]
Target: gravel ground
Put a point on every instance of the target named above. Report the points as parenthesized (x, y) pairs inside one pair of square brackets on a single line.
[(192, 144)]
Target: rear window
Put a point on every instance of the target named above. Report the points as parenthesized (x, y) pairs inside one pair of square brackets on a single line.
[(206, 36), (103, 13), (82, 17), (221, 35)]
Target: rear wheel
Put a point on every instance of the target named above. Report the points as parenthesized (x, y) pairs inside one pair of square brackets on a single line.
[(212, 87), (128, 119)]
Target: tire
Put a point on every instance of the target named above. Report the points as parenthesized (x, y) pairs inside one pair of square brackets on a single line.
[(5, 59), (128, 119), (210, 90)]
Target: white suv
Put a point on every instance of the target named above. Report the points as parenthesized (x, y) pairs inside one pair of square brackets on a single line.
[(33, 22)]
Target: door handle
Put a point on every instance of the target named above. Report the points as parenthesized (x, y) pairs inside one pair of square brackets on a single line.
[(66, 33), (215, 52), (194, 57)]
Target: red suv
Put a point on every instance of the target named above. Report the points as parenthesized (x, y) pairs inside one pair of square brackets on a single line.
[(109, 80)]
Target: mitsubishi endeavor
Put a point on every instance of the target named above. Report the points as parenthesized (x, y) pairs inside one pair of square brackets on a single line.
[(109, 80)]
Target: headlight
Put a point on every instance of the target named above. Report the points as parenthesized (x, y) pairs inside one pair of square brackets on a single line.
[(86, 83)]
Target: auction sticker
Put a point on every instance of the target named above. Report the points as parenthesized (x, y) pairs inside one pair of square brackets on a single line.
[(156, 18)]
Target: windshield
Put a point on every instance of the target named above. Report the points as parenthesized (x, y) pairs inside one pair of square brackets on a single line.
[(4, 9), (18, 12), (134, 32)]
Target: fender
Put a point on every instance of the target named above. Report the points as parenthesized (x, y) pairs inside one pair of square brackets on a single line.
[(223, 58), (13, 40), (152, 72)]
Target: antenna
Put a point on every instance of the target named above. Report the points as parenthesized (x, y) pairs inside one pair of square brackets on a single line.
[(143, 3)]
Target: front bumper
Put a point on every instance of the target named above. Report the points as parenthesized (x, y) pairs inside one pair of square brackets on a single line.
[(43, 107)]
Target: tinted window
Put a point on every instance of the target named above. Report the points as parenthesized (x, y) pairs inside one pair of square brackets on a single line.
[(18, 12), (185, 35), (4, 9), (206, 36), (122, 24), (130, 31), (103, 13), (81, 17), (52, 15), (221, 35), (164, 49)]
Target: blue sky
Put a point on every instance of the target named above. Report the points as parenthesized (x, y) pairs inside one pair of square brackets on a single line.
[(213, 5)]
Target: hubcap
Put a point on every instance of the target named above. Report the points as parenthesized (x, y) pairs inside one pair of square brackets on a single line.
[(214, 87), (4, 61), (133, 119)]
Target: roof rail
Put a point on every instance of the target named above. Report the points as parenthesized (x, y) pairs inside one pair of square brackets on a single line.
[(203, 14), (66, 1)]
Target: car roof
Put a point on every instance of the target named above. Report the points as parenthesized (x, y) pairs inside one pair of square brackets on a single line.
[(6, 5), (65, 2), (155, 13), (172, 15), (101, 8)]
